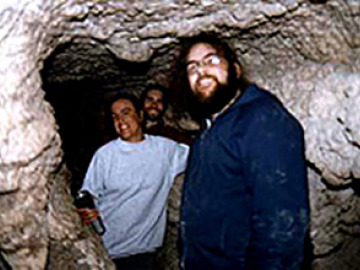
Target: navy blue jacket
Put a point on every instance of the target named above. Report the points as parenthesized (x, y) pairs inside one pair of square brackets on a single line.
[(245, 201)]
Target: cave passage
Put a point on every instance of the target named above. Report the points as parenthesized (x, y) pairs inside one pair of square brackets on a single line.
[(80, 100)]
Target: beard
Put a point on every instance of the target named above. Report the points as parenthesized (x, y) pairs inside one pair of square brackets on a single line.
[(153, 117), (221, 94)]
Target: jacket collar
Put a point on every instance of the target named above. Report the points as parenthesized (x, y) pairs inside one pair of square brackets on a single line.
[(250, 93)]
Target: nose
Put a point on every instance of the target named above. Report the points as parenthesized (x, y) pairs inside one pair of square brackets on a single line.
[(120, 120), (200, 70)]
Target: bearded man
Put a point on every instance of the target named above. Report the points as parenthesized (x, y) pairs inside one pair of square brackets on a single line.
[(154, 104), (245, 200)]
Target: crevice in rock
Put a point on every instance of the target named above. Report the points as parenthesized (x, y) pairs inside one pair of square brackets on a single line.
[(355, 185), (4, 265), (333, 250)]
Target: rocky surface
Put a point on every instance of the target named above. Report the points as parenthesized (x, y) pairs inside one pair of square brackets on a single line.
[(305, 52)]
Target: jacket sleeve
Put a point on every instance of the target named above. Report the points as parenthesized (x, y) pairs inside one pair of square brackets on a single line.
[(276, 171)]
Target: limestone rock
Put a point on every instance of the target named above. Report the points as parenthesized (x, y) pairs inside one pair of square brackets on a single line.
[(305, 52)]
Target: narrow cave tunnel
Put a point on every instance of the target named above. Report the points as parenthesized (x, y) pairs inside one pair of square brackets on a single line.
[(78, 109), (78, 80)]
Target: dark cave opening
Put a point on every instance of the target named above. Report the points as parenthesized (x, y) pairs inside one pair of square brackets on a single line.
[(82, 124), (81, 104)]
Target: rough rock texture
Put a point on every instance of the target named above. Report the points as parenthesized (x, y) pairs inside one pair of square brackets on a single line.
[(38, 224), (169, 257), (305, 52)]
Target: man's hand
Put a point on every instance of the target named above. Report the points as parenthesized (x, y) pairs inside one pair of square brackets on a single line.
[(88, 215)]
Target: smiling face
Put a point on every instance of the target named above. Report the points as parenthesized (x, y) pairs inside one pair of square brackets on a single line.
[(206, 71), (153, 105), (126, 120), (209, 76)]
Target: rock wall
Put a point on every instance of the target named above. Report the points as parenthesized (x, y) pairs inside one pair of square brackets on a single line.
[(307, 53), (38, 225)]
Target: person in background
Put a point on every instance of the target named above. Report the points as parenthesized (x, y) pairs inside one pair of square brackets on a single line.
[(245, 200), (129, 179), (154, 101)]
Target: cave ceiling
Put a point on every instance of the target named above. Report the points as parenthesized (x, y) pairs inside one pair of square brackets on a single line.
[(131, 42)]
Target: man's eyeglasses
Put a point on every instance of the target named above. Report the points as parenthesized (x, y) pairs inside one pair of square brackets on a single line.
[(211, 60)]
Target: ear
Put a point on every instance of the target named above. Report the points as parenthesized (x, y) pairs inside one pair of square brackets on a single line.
[(238, 70)]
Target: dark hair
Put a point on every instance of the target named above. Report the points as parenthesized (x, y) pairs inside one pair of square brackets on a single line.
[(157, 87), (127, 96), (110, 132), (222, 48)]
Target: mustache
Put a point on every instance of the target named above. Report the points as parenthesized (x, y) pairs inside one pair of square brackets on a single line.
[(206, 77), (153, 108)]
